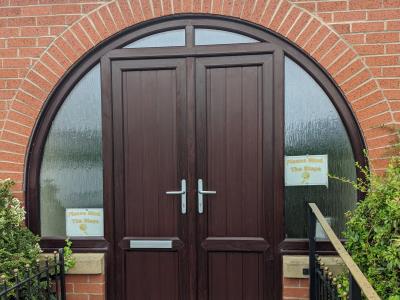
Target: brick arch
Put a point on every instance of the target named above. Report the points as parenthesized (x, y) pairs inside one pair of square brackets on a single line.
[(294, 23)]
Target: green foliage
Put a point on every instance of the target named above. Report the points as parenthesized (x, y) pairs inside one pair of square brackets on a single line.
[(343, 284), (373, 230), (18, 245), (69, 260)]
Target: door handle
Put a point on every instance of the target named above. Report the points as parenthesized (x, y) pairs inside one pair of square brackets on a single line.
[(200, 194), (182, 192)]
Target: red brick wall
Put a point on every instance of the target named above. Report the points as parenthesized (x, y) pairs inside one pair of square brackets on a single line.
[(85, 287), (295, 289), (357, 41), (371, 28)]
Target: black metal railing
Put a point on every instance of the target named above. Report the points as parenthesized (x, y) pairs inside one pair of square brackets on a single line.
[(323, 284), (44, 280)]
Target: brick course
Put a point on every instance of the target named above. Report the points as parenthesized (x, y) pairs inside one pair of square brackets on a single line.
[(357, 41), (88, 287), (295, 289)]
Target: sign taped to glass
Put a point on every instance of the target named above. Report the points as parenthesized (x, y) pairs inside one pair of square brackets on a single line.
[(84, 221), (306, 170)]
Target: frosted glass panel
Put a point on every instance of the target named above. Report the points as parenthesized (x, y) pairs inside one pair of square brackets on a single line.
[(313, 126), (162, 39), (72, 170), (204, 36)]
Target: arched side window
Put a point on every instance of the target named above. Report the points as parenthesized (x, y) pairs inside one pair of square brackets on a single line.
[(314, 127), (71, 174), (71, 170)]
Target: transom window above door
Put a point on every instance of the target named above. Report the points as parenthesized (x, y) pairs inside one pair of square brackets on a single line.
[(207, 36), (68, 144), (181, 38), (169, 38)]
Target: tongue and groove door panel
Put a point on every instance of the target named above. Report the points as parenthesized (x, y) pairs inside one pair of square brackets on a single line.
[(222, 251), (149, 104), (234, 159)]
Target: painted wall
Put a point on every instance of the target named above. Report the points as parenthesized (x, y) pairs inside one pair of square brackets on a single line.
[(357, 41)]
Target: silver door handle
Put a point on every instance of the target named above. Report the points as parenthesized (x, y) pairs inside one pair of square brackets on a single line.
[(182, 192), (200, 193)]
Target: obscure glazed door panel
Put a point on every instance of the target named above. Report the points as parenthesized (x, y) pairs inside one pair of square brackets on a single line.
[(149, 113), (234, 159)]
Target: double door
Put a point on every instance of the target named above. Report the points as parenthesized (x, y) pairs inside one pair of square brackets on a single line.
[(193, 174)]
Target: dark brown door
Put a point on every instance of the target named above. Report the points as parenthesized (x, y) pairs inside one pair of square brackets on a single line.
[(149, 116), (205, 120), (234, 159)]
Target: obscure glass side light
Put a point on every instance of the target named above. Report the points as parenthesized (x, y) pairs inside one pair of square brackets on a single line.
[(314, 127), (71, 176)]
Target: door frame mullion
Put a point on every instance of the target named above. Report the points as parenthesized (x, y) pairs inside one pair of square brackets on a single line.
[(191, 174), (108, 175), (278, 178)]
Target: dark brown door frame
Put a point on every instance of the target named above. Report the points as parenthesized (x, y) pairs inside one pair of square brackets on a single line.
[(83, 65), (277, 144)]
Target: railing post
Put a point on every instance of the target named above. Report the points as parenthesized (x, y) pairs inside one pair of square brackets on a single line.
[(47, 269), (312, 247), (17, 290), (354, 289), (62, 274), (3, 285)]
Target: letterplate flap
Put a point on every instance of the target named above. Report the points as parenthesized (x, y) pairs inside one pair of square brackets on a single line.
[(150, 244)]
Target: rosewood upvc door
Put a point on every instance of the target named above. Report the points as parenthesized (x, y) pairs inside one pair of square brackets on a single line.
[(149, 122), (234, 159), (192, 166)]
